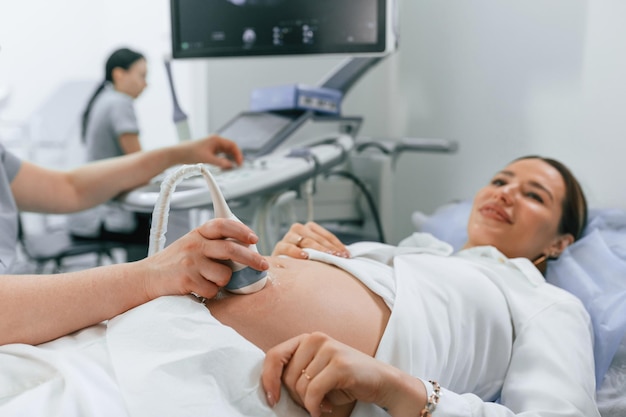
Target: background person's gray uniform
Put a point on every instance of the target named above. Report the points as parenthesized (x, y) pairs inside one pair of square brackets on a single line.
[(112, 115), (10, 164)]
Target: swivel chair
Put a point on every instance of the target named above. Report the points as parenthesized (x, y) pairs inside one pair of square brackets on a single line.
[(54, 246)]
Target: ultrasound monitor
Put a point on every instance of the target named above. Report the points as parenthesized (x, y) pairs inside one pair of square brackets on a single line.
[(239, 28), (362, 30)]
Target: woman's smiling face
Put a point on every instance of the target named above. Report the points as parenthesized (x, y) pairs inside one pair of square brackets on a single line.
[(519, 211)]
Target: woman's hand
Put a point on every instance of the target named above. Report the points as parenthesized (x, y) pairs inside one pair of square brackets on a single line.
[(217, 151), (320, 372), (309, 235), (195, 262)]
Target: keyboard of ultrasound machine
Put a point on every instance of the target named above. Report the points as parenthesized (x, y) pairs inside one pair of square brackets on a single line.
[(263, 174), (252, 176)]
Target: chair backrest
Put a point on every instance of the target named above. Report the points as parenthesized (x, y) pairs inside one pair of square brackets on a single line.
[(56, 245), (53, 128)]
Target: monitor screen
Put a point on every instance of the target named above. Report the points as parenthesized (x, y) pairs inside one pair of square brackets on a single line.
[(252, 130), (235, 28)]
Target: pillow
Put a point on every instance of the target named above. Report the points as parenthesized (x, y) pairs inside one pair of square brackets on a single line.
[(593, 269), (447, 223)]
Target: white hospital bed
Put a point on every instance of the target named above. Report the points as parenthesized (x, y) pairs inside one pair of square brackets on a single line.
[(594, 269)]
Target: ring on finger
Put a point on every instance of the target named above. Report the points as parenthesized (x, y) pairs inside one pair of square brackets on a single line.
[(307, 376), (299, 240)]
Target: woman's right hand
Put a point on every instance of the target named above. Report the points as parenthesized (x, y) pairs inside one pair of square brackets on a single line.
[(309, 235), (196, 262), (321, 373)]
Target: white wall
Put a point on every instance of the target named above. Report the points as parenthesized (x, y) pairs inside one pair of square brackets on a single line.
[(45, 43), (502, 78), (512, 78)]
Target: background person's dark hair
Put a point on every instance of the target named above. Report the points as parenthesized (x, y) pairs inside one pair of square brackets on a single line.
[(123, 58), (574, 218)]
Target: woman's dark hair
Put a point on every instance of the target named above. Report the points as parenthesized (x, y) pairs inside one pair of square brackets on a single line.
[(123, 58), (574, 217)]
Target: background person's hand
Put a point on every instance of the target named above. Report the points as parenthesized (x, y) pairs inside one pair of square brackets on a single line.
[(309, 235), (319, 372), (217, 151), (195, 262)]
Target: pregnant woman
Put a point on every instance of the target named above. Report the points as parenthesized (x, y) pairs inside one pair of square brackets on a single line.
[(482, 322)]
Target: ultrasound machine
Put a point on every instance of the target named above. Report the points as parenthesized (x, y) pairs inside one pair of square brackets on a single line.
[(294, 133)]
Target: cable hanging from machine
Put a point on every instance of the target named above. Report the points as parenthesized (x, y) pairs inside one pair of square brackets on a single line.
[(368, 197)]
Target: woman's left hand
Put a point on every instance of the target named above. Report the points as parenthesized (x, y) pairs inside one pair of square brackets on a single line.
[(319, 372), (309, 235)]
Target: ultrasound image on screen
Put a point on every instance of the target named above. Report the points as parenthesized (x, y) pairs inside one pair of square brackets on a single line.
[(205, 28)]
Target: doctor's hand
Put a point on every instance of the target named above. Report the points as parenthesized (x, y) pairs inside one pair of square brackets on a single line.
[(214, 150), (320, 373), (195, 262), (309, 235)]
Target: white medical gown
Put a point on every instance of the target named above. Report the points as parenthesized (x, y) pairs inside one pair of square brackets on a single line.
[(484, 326)]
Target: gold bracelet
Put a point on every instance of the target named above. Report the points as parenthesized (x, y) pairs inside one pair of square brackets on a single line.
[(433, 400)]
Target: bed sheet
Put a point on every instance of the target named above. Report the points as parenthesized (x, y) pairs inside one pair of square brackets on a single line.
[(611, 395), (169, 357), (67, 377), (173, 358)]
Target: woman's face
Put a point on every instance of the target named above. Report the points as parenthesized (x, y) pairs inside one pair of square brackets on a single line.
[(520, 210), (133, 80)]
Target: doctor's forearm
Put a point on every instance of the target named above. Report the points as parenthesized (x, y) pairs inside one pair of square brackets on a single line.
[(37, 309), (98, 182), (43, 190)]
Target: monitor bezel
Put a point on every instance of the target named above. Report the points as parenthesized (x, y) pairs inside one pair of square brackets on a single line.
[(386, 43)]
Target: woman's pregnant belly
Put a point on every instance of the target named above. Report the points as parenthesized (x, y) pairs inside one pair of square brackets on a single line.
[(301, 297)]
